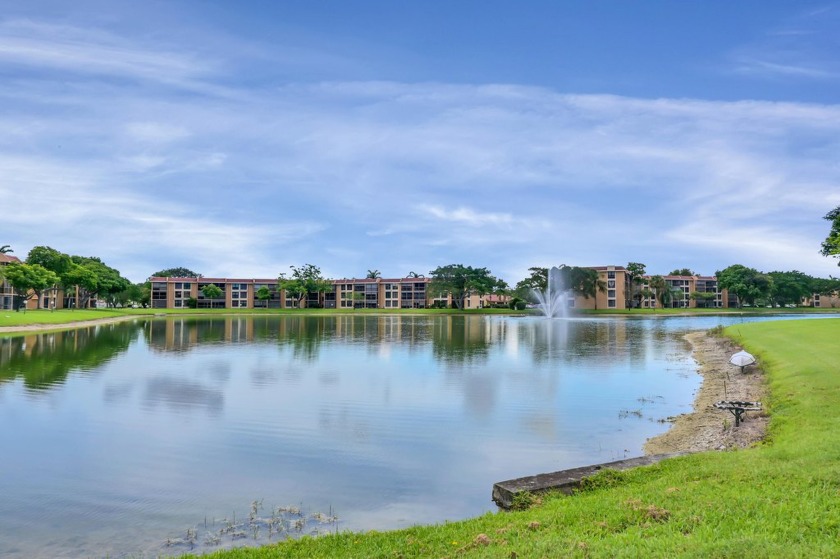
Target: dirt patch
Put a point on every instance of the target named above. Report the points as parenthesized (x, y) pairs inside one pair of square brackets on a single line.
[(66, 325), (708, 428)]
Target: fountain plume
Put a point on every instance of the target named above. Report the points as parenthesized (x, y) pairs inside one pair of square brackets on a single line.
[(552, 301)]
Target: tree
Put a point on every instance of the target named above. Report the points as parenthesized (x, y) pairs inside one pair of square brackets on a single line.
[(212, 291), (747, 284), (373, 274), (831, 244), (537, 281), (670, 294), (658, 286), (53, 260), (636, 272), (263, 294), (176, 273), (789, 288), (582, 281), (415, 275), (305, 280), (462, 281), (29, 280), (94, 278), (6, 249), (682, 272), (702, 297), (135, 294)]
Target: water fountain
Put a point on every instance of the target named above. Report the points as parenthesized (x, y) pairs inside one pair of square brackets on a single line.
[(552, 301)]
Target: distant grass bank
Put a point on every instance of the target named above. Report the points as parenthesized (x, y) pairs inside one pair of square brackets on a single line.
[(776, 500), (40, 318)]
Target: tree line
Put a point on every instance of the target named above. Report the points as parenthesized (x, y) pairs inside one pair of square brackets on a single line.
[(46, 268)]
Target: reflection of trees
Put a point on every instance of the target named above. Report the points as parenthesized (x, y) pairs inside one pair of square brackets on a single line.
[(181, 334), (46, 359), (594, 340), (305, 334), (461, 339)]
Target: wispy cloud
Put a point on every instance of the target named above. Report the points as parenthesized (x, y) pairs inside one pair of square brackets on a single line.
[(396, 176), (42, 46), (765, 68)]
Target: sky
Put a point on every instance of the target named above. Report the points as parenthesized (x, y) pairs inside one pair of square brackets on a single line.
[(238, 139)]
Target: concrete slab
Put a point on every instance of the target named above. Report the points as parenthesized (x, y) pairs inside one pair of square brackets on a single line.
[(566, 480)]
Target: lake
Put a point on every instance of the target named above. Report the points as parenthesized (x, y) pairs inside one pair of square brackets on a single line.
[(157, 437)]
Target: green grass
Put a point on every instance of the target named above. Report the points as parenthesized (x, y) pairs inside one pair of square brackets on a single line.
[(39, 317), (65, 316), (780, 499)]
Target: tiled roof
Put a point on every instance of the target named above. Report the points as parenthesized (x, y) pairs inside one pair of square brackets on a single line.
[(8, 258)]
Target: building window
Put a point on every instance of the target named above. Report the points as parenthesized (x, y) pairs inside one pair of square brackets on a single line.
[(611, 293), (610, 275), (611, 303), (611, 283)]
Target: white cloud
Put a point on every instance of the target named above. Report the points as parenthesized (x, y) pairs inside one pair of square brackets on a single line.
[(362, 175), (90, 51)]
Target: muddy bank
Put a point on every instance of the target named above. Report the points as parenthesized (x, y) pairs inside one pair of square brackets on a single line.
[(67, 325), (708, 428)]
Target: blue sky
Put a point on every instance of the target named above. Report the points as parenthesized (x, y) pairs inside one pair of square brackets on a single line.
[(239, 138)]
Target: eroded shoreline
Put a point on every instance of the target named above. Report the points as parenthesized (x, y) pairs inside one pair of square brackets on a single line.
[(706, 427)]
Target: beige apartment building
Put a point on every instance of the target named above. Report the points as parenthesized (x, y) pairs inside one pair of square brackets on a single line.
[(413, 293), (353, 293), (690, 292), (7, 293)]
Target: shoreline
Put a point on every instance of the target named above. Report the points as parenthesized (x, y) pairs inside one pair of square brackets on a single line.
[(706, 427), (67, 325)]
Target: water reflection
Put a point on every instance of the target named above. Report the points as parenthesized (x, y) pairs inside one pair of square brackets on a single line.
[(391, 420), (44, 360)]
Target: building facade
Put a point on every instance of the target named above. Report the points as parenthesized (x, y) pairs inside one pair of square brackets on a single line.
[(614, 291), (353, 293), (688, 292), (7, 292)]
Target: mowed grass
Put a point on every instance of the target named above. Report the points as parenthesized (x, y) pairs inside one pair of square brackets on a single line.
[(62, 316), (66, 316), (780, 499)]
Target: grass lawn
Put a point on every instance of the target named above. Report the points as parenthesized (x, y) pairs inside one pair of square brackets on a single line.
[(781, 499), (65, 316)]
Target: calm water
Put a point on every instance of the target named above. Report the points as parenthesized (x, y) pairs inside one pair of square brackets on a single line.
[(115, 438)]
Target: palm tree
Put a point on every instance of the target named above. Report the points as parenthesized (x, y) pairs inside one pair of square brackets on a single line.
[(373, 274), (415, 275), (5, 248), (592, 283), (659, 287)]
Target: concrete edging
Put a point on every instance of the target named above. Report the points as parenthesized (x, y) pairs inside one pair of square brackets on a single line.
[(566, 481)]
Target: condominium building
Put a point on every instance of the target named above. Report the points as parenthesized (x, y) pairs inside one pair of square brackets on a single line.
[(615, 282), (368, 293), (614, 291), (7, 292), (353, 293), (687, 292)]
